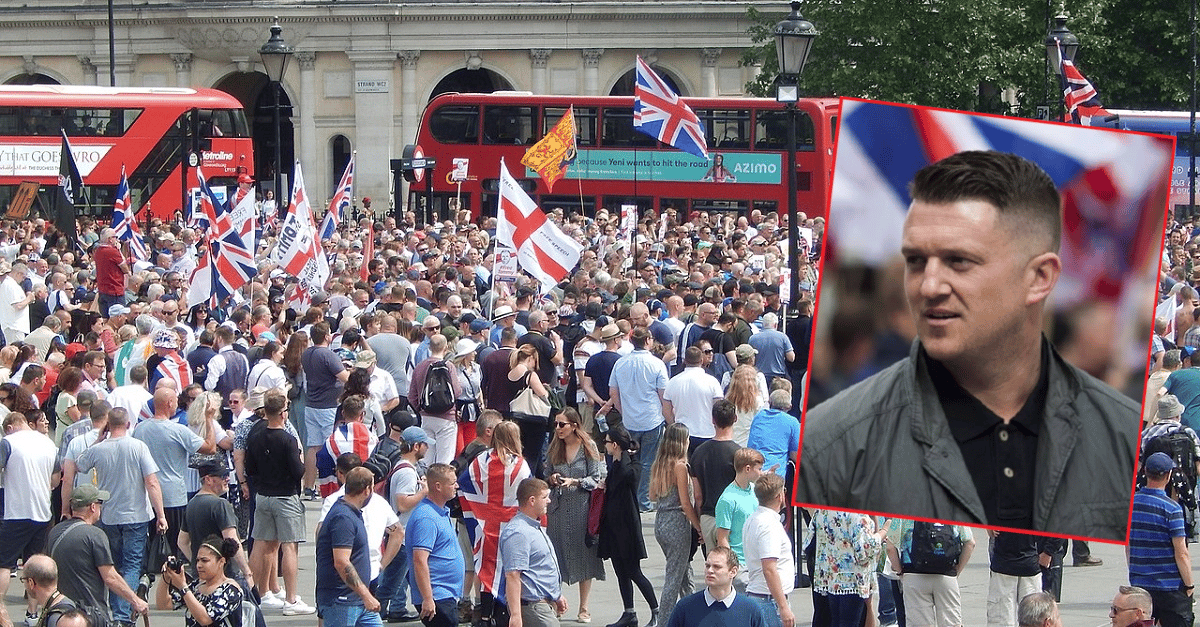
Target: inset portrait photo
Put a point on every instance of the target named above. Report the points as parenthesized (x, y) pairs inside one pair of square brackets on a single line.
[(981, 336)]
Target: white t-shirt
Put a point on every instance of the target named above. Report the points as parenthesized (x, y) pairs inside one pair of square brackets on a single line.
[(10, 317), (692, 394), (404, 482), (763, 537), (377, 517), (28, 463)]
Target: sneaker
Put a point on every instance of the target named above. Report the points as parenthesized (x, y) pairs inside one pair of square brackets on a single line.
[(465, 608), (30, 619), (309, 495), (297, 608), (271, 602)]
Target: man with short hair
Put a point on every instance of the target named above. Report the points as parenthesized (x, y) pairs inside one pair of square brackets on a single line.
[(324, 376), (721, 567), (980, 242), (28, 459), (133, 395), (442, 427), (1038, 610), (406, 490), (636, 387), (40, 576), (87, 563), (272, 464), (776, 433), (111, 270), (774, 348), (43, 337), (689, 396), (343, 558), (14, 304), (1158, 554), (394, 353), (228, 370), (768, 549), (432, 547), (1132, 607), (531, 587), (126, 470), (711, 468), (209, 513)]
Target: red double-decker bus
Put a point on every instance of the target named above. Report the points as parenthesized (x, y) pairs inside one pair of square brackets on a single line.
[(150, 131), (617, 165)]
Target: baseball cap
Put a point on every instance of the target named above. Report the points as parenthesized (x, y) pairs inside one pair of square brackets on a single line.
[(365, 359), (117, 309), (86, 494), (415, 435), (212, 468), (480, 324), (744, 352), (1159, 463)]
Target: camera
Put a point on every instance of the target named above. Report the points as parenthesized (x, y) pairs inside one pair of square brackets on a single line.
[(174, 564)]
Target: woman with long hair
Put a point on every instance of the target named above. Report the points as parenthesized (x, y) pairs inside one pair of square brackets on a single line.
[(523, 367), (197, 318), (295, 376), (23, 358), (470, 389), (621, 526), (574, 467), (674, 516), (359, 384), (211, 598), (203, 417), (747, 389), (66, 409), (501, 464)]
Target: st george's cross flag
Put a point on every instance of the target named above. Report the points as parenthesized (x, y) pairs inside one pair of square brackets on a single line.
[(124, 222), (298, 251), (339, 203), (660, 113), (543, 250), (226, 264)]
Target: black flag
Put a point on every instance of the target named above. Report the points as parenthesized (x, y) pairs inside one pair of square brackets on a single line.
[(71, 184)]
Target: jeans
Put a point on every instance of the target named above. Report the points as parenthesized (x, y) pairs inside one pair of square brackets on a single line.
[(128, 545), (770, 611), (348, 615), (647, 450), (446, 614), (392, 587)]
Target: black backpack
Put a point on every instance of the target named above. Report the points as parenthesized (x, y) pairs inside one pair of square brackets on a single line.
[(383, 459), (438, 395), (1180, 446), (935, 549)]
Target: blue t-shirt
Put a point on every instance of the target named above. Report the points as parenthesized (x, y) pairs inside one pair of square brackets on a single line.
[(776, 435), (1185, 385), (343, 527), (599, 368), (1156, 521), (772, 347), (429, 528)]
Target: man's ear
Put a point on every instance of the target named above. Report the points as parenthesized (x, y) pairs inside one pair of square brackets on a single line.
[(1042, 274)]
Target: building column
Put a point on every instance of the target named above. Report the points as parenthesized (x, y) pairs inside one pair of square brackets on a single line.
[(708, 71), (306, 142), (89, 69), (538, 58), (591, 70), (374, 123), (183, 68), (410, 115), (124, 64)]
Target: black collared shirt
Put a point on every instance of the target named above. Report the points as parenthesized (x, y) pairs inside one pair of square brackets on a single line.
[(1002, 458)]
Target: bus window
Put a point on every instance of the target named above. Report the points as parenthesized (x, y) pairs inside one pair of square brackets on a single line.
[(727, 128), (613, 204), (619, 131), (455, 124), (766, 206), (222, 123), (585, 123), (569, 204), (1183, 144), (771, 127), (508, 125)]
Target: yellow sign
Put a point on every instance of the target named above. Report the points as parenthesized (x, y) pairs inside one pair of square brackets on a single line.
[(551, 156), (22, 200)]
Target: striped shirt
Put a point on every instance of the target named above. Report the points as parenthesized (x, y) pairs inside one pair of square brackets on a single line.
[(1156, 521)]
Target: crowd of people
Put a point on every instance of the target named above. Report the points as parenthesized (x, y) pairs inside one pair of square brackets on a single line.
[(427, 404)]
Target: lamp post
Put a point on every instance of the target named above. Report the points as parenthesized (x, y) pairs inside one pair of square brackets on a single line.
[(1060, 44), (793, 39), (275, 55)]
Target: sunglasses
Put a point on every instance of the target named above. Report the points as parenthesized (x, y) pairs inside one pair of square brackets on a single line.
[(560, 425)]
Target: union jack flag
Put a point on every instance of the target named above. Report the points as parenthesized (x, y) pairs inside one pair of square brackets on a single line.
[(124, 222), (1078, 93), (659, 113), (339, 203), (488, 495), (348, 437), (174, 367), (227, 264)]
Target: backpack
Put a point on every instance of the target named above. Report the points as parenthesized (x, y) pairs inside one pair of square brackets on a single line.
[(935, 549), (1177, 444), (438, 395), (382, 460), (50, 407)]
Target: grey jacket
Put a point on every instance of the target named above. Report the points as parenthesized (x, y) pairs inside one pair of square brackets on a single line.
[(884, 445)]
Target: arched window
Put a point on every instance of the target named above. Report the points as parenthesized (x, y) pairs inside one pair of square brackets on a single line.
[(339, 156)]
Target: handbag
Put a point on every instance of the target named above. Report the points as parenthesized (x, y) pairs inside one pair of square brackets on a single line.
[(594, 514), (530, 407), (157, 552)]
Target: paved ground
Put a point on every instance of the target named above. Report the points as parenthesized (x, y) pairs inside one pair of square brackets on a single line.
[(1087, 592)]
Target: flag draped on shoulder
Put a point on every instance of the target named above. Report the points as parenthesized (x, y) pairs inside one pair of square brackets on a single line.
[(542, 249), (71, 184), (340, 202), (243, 215), (368, 251), (124, 222), (660, 113), (226, 264), (554, 152), (298, 251)]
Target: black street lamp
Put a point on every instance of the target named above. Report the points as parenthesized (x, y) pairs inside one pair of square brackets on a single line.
[(793, 40), (1060, 44), (275, 55)]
